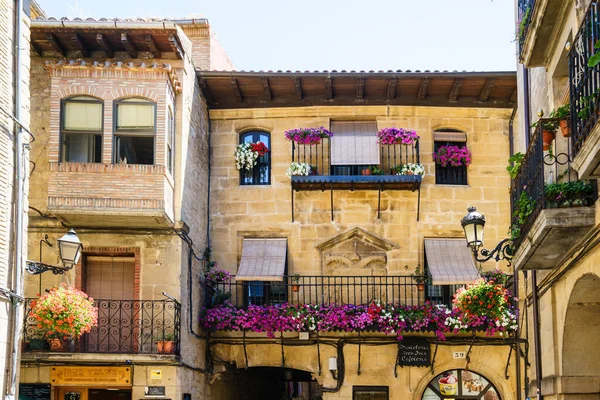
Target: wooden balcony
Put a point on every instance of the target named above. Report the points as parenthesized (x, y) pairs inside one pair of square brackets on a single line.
[(112, 195)]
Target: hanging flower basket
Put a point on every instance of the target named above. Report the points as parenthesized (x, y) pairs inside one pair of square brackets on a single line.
[(246, 154), (217, 276), (402, 136), (408, 169), (298, 169), (65, 312), (483, 298), (452, 155), (307, 135)]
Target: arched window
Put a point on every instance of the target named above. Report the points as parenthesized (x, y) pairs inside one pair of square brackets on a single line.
[(135, 130), (81, 129), (261, 173), (460, 385), (449, 175)]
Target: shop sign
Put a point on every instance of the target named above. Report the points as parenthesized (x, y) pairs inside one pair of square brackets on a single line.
[(155, 391), (29, 391), (414, 352), (88, 376)]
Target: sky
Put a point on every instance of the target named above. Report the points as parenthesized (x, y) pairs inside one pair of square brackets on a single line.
[(472, 35)]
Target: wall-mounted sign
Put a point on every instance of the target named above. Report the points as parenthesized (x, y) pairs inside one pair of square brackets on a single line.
[(459, 354), (82, 376), (155, 391), (73, 396), (414, 352), (29, 391), (156, 374)]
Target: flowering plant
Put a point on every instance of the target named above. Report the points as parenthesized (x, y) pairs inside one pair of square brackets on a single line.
[(298, 169), (217, 276), (410, 169), (246, 154), (307, 135), (495, 276), (397, 136), (453, 155), (483, 298), (65, 311)]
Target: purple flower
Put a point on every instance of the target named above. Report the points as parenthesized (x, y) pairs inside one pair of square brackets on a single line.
[(397, 136), (453, 155), (307, 135)]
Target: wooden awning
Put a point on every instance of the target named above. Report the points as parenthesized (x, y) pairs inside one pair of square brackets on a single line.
[(262, 260), (450, 261), (259, 89)]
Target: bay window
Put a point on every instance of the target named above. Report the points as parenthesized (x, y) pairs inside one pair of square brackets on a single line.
[(81, 129), (135, 131)]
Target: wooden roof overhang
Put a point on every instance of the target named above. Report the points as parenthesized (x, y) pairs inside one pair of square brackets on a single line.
[(101, 40), (258, 89)]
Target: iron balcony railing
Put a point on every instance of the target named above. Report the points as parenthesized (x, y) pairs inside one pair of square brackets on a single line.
[(124, 327), (545, 180), (584, 80), (525, 10), (319, 156)]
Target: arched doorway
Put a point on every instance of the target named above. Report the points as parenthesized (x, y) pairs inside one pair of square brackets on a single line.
[(460, 384), (580, 352)]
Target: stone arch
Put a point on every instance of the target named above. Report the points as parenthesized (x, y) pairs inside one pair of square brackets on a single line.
[(450, 128), (580, 350)]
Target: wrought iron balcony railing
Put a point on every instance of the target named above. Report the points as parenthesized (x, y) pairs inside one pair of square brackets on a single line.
[(525, 10), (124, 327), (545, 180), (584, 80)]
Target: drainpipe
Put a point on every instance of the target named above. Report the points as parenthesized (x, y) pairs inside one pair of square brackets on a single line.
[(536, 336), (19, 199), (526, 105)]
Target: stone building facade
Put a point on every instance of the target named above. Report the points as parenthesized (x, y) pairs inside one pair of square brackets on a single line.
[(558, 250)]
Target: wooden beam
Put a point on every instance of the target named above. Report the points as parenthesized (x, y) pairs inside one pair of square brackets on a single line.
[(423, 88), (56, 46), (104, 45), (236, 90), (298, 87), (152, 46), (78, 45), (455, 92), (328, 88), (206, 90), (360, 88), (266, 88), (128, 44), (513, 96), (391, 91), (487, 89), (36, 49), (174, 43)]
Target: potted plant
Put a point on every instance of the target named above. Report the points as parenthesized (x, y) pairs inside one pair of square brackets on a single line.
[(165, 344), (298, 169), (568, 194), (307, 135), (36, 343), (314, 169), (395, 170), (366, 171), (452, 155), (376, 170), (548, 131), (412, 169), (563, 113), (295, 285), (246, 154), (420, 277), (65, 313), (402, 136)]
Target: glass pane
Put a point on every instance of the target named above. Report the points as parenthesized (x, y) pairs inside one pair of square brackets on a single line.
[(81, 148), (247, 139), (265, 140), (135, 150), (256, 292), (82, 116), (135, 116)]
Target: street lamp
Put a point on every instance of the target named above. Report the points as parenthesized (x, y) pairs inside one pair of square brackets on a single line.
[(69, 247), (473, 224)]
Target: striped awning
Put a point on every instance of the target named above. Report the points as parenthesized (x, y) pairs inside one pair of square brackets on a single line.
[(450, 261), (262, 260)]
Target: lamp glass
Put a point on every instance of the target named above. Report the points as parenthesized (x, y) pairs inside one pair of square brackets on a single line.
[(70, 248), (473, 224)]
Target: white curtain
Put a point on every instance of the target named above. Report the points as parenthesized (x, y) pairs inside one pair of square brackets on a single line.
[(354, 143), (135, 116), (80, 116)]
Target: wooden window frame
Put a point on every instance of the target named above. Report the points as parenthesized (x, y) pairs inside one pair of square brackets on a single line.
[(382, 389), (266, 159)]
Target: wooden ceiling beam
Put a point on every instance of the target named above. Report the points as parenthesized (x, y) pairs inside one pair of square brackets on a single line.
[(487, 89), (35, 48), (298, 87), (328, 88), (174, 43), (128, 44), (391, 90), (78, 45), (423, 88), (55, 44), (455, 92), (206, 90), (104, 45), (266, 88), (152, 46), (360, 88), (236, 90)]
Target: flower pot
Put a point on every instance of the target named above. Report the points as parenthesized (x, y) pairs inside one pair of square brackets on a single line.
[(165, 346), (421, 287), (313, 171), (36, 344), (55, 344), (565, 129), (548, 138), (409, 173), (295, 288), (366, 171)]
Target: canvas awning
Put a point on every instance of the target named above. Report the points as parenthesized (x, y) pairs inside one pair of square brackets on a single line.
[(262, 260), (450, 261)]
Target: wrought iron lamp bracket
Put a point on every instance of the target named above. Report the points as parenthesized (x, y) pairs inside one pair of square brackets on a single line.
[(38, 267), (503, 251)]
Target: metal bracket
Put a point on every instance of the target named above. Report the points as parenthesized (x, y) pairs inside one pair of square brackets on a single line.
[(434, 354), (468, 357), (318, 354), (282, 352), (38, 267), (245, 352), (359, 347), (503, 251), (397, 360), (508, 363)]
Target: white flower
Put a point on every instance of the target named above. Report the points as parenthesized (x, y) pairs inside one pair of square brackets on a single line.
[(412, 169), (298, 169), (245, 158)]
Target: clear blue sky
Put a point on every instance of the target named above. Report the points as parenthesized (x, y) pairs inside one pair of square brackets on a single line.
[(337, 34)]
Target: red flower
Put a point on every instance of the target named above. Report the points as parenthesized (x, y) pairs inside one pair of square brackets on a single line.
[(260, 148)]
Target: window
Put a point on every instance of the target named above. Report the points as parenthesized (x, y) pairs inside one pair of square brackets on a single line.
[(81, 130), (450, 175), (265, 293), (353, 147), (261, 173), (370, 393), (135, 128), (170, 141), (459, 385)]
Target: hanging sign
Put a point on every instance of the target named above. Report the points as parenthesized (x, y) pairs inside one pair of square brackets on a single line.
[(414, 352)]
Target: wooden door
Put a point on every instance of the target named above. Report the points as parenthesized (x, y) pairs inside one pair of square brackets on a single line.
[(71, 393), (110, 281)]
